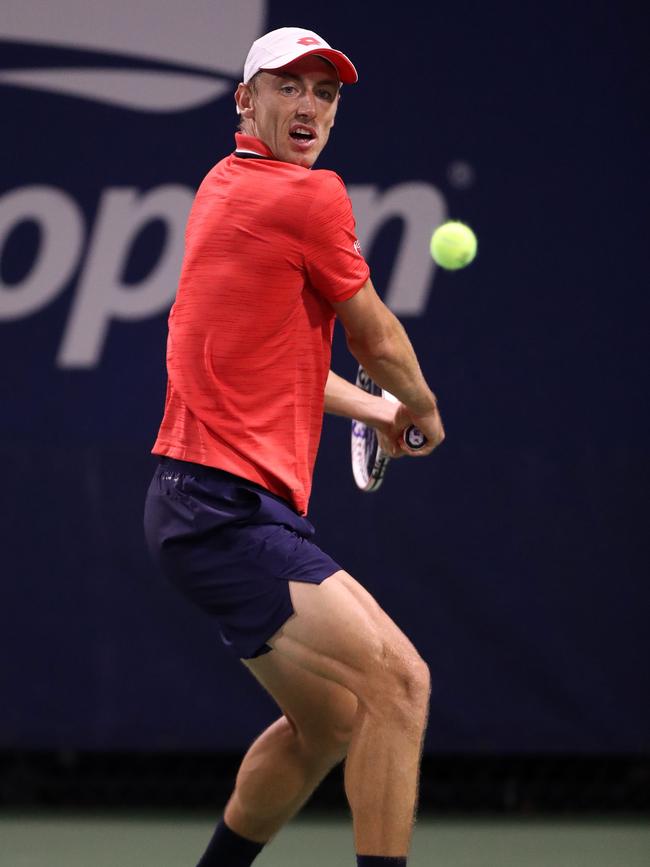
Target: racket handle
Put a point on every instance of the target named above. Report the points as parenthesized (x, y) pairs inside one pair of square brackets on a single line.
[(414, 438)]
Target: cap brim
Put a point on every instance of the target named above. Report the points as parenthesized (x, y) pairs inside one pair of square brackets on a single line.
[(343, 65)]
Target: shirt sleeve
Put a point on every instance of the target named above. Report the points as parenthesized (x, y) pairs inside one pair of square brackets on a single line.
[(333, 260)]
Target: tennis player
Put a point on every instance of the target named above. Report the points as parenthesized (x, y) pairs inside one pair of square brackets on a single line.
[(271, 260)]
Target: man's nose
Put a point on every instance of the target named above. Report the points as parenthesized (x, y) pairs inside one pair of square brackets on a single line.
[(307, 104)]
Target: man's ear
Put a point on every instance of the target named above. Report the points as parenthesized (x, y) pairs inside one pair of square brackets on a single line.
[(244, 101)]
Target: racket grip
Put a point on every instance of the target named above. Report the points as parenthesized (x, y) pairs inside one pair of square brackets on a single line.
[(414, 438)]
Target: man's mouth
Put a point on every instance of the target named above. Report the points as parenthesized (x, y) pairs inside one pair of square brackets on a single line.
[(302, 134)]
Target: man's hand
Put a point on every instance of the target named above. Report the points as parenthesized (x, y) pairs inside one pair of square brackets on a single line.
[(390, 432), (388, 417)]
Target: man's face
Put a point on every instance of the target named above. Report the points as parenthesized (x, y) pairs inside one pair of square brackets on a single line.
[(293, 110)]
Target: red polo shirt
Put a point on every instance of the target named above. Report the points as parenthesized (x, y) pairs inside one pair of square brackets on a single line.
[(268, 246)]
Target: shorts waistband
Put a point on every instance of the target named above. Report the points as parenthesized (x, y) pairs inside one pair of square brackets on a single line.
[(206, 472)]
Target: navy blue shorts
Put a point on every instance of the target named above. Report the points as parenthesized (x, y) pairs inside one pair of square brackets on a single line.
[(231, 546)]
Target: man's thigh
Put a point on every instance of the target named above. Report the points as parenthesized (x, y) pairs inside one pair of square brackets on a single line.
[(340, 633), (311, 703)]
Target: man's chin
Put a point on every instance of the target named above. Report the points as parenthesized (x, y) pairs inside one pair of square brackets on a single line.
[(303, 156)]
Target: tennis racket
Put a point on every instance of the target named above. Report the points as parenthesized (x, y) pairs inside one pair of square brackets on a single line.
[(369, 461)]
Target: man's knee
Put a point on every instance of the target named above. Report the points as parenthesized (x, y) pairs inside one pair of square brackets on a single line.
[(399, 684), (411, 683)]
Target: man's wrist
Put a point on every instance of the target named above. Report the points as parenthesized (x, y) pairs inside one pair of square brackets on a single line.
[(424, 408)]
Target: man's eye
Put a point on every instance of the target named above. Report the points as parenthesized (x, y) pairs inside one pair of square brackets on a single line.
[(288, 88), (326, 94)]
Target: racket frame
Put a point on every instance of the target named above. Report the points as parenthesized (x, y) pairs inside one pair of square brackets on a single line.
[(369, 461)]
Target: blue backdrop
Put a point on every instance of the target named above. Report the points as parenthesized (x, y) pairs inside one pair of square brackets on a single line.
[(516, 557)]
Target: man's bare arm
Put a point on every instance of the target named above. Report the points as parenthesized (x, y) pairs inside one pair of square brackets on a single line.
[(378, 341), (387, 417), (346, 399)]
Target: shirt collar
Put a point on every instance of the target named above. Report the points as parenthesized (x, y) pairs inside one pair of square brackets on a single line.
[(249, 144)]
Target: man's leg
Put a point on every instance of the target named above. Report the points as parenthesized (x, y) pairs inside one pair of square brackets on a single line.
[(338, 645), (340, 635), (286, 763)]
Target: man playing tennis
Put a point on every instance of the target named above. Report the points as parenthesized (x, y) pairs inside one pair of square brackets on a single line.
[(271, 259)]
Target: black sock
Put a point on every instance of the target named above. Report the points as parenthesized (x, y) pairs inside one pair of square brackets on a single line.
[(227, 849), (379, 861)]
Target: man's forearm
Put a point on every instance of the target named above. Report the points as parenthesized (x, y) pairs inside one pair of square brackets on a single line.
[(346, 399), (391, 362)]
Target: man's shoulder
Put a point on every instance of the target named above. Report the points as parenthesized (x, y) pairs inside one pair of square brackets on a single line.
[(327, 178), (216, 170), (322, 185), (310, 185), (316, 179), (326, 184)]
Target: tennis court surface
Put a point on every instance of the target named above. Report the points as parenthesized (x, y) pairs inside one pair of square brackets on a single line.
[(177, 840)]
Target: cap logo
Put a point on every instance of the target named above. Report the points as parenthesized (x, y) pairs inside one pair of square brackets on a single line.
[(308, 40)]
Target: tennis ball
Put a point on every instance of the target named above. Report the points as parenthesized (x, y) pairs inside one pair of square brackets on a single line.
[(453, 245)]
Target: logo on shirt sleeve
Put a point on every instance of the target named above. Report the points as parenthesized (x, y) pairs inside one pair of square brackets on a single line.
[(357, 247)]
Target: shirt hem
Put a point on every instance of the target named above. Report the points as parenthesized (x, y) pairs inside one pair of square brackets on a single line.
[(163, 450)]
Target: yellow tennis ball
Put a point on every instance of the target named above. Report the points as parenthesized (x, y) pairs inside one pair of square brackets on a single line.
[(453, 245)]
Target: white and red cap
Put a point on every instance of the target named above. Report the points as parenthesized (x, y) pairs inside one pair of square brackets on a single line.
[(281, 47)]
